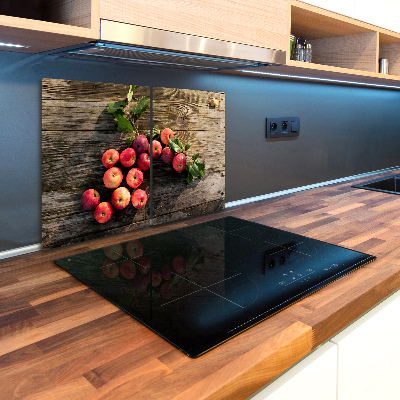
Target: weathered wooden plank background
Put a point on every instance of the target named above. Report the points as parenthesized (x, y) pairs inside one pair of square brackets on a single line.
[(189, 114), (76, 130)]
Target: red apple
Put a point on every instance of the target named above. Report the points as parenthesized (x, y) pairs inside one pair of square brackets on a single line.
[(139, 198), (166, 291), (110, 269), (134, 177), (90, 199), (179, 264), (113, 252), (167, 155), (103, 212), (143, 265), (134, 249), (128, 157), (120, 198), (127, 269), (112, 178), (140, 282), (156, 277), (166, 134), (179, 162), (157, 149), (140, 143), (166, 271), (143, 162), (110, 157)]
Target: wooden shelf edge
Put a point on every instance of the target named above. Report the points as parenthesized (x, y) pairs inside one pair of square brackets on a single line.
[(340, 70), (48, 27), (295, 70)]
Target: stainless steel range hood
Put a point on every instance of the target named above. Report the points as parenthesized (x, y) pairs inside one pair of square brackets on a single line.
[(137, 44)]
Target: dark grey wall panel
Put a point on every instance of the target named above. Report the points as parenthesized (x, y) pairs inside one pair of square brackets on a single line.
[(344, 131)]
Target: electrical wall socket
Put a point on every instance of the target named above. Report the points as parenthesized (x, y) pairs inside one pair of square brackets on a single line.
[(283, 127)]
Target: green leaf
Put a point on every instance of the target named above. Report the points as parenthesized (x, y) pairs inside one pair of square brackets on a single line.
[(175, 145), (129, 141), (117, 107), (140, 107), (201, 167), (156, 131), (123, 124), (187, 147), (189, 178), (130, 93), (194, 169), (194, 157)]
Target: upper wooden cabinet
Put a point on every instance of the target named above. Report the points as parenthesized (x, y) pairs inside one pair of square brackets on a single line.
[(41, 25), (261, 23), (343, 45), (47, 24)]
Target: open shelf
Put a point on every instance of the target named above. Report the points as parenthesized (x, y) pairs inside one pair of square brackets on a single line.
[(342, 44), (47, 24)]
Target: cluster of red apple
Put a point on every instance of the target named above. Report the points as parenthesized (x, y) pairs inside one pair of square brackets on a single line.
[(139, 271), (113, 177), (166, 154)]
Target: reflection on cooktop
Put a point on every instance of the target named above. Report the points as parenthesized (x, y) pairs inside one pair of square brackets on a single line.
[(200, 285)]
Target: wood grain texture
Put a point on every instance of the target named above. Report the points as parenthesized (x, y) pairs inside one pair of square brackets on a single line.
[(391, 51), (264, 23), (189, 115), (355, 51), (231, 382), (61, 340), (76, 131), (316, 23), (42, 35), (340, 43), (68, 12)]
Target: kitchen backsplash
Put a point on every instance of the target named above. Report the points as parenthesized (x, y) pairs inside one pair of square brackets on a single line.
[(83, 121), (345, 130)]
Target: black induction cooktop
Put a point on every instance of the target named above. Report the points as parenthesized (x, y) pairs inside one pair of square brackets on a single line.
[(390, 184), (199, 286)]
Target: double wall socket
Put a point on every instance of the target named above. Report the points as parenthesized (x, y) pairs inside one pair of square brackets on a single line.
[(283, 127)]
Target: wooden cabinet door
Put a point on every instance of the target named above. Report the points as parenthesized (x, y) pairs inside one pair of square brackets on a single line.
[(257, 22)]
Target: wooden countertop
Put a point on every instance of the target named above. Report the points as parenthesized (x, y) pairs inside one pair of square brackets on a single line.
[(61, 340)]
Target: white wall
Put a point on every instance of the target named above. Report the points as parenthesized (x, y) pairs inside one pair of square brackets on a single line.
[(382, 13)]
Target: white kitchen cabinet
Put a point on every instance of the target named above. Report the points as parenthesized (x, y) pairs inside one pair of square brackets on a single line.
[(369, 354), (386, 387), (313, 378), (362, 362), (382, 13), (344, 7)]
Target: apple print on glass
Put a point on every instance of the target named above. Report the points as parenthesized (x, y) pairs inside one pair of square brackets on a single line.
[(97, 144), (89, 173), (189, 174)]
